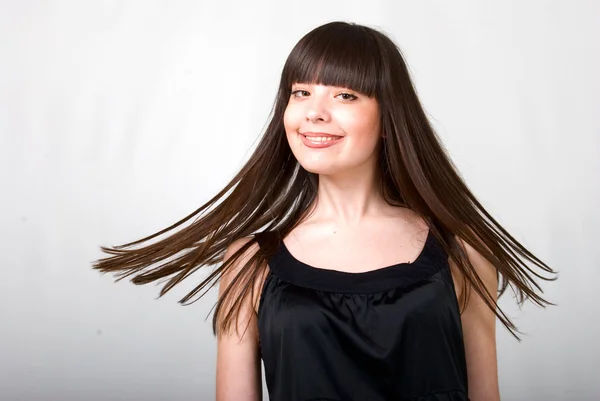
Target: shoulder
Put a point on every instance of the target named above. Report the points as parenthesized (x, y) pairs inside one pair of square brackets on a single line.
[(237, 245), (237, 255), (482, 267), (241, 253)]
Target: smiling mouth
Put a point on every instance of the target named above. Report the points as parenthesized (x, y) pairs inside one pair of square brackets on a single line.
[(317, 141), (321, 138)]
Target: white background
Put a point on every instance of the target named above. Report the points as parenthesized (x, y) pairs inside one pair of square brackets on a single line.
[(118, 118)]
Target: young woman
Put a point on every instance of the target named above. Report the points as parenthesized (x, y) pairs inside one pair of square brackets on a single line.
[(356, 262)]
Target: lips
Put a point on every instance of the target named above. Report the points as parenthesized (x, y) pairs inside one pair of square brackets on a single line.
[(320, 140)]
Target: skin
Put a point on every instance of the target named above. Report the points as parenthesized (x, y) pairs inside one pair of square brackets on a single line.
[(352, 226)]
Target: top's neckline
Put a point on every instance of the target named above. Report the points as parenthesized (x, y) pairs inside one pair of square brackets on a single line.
[(293, 270), (297, 261)]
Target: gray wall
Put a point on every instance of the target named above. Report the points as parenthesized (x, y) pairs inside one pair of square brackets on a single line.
[(117, 118)]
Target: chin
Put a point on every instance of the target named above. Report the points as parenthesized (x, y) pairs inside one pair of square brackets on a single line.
[(318, 168)]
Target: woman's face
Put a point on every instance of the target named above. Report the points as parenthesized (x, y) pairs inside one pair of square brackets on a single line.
[(331, 129)]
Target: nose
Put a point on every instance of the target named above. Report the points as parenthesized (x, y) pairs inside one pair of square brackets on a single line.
[(317, 110)]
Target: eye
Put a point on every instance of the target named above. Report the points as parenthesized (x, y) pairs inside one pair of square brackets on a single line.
[(302, 93), (348, 96)]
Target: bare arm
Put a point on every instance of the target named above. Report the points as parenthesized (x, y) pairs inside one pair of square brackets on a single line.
[(238, 359), (479, 331)]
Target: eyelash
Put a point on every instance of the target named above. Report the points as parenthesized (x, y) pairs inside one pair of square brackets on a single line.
[(354, 97)]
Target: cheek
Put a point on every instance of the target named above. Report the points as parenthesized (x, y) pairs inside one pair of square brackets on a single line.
[(290, 120), (372, 124), (363, 124)]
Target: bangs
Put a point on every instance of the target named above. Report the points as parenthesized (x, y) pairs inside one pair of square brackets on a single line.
[(336, 54)]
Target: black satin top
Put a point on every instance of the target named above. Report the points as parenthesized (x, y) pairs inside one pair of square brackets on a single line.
[(391, 334)]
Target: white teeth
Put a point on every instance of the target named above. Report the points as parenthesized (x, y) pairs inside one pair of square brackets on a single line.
[(321, 138)]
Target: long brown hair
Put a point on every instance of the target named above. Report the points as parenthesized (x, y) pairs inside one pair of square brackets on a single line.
[(272, 193)]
